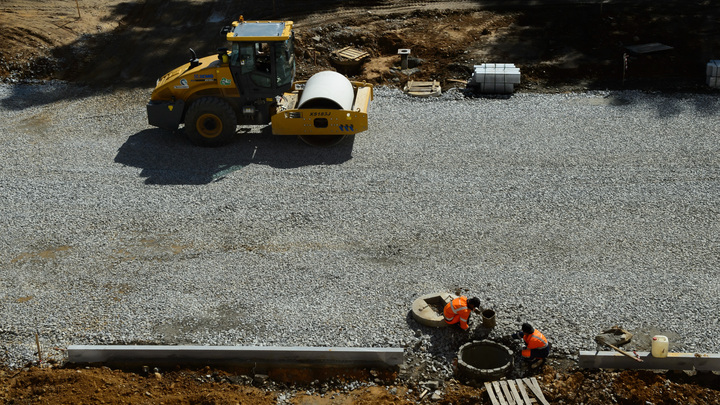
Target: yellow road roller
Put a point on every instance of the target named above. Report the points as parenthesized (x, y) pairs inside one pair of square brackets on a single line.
[(253, 83)]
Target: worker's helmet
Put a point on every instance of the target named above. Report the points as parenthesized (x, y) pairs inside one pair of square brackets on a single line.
[(474, 302), (527, 328)]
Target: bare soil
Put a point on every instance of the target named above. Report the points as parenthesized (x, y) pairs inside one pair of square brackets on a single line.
[(559, 47), (34, 385)]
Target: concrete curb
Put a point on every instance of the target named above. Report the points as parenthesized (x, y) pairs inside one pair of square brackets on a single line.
[(673, 361), (235, 356)]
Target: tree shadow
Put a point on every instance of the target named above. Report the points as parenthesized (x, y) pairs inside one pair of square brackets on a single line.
[(168, 158), (153, 37), (556, 42), (567, 42)]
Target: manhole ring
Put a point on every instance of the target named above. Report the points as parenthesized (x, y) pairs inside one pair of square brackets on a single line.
[(428, 309), (484, 360)]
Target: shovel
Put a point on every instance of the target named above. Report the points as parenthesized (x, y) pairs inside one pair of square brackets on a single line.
[(621, 351), (618, 336)]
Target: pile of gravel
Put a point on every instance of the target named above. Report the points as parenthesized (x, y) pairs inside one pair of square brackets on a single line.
[(575, 212)]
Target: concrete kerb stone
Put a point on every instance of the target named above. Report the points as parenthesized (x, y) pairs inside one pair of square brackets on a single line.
[(673, 361), (428, 309), (235, 356)]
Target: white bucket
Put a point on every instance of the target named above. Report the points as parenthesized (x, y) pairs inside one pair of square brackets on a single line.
[(660, 346)]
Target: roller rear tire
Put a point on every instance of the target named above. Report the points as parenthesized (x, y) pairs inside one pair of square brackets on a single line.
[(210, 121)]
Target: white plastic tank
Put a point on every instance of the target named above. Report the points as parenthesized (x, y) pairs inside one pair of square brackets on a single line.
[(660, 346), (327, 90)]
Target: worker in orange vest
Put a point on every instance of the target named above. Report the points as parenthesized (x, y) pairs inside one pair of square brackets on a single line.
[(537, 346), (458, 310)]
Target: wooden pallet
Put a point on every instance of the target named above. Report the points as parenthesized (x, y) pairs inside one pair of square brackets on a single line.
[(423, 89), (351, 54), (512, 392)]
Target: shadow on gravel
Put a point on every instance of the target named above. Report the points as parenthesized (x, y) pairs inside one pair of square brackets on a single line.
[(443, 343), (29, 95), (168, 158), (555, 42), (153, 37)]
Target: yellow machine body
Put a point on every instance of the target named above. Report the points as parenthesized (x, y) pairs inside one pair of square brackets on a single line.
[(211, 77), (291, 120), (252, 82)]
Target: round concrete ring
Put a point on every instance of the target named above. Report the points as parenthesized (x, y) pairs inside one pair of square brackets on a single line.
[(427, 310), (484, 360)]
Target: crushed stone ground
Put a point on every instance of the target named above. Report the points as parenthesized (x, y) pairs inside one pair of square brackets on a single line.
[(559, 49)]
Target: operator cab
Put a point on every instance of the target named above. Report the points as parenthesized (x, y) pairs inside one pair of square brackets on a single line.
[(262, 56)]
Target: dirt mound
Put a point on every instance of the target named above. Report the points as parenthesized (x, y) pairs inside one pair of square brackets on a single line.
[(557, 47)]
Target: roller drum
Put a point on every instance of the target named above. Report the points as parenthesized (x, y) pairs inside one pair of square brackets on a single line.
[(327, 90)]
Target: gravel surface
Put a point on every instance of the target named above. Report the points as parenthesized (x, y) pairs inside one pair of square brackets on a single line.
[(575, 212)]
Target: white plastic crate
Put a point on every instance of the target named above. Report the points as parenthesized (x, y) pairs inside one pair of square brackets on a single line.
[(712, 73), (713, 68), (496, 77), (497, 87)]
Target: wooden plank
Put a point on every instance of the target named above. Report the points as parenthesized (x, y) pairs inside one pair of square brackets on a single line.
[(524, 394), (540, 395), (419, 94), (362, 99), (529, 384), (422, 89), (352, 54), (416, 89), (515, 393), (496, 385), (535, 388), (291, 100), (420, 84), (506, 391), (489, 389), (342, 50)]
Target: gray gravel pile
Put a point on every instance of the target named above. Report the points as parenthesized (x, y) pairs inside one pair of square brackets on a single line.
[(575, 212)]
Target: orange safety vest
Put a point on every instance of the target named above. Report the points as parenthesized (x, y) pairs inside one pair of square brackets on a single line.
[(536, 340), (457, 311)]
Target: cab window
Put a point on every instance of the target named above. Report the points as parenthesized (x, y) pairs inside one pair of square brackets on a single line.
[(243, 56), (285, 62), (256, 60)]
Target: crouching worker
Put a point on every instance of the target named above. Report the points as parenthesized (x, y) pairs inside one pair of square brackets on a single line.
[(537, 346), (458, 311)]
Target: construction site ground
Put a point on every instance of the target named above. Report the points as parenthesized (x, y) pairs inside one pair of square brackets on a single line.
[(560, 385), (558, 45)]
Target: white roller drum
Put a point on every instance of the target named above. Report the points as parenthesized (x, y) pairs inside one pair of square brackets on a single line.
[(329, 90)]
